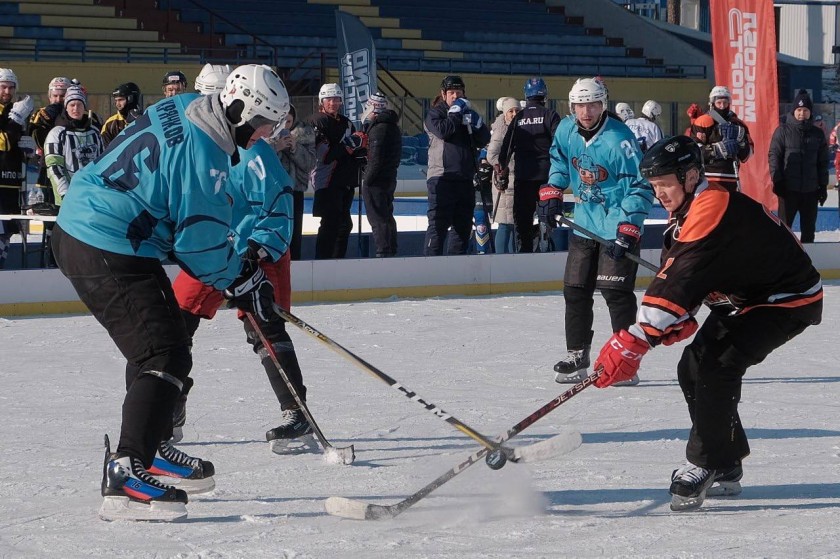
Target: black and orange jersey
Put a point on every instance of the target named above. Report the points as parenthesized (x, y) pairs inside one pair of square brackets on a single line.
[(731, 253)]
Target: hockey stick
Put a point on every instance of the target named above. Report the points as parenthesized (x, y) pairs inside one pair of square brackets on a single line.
[(332, 454), (507, 453), (605, 242), (359, 510)]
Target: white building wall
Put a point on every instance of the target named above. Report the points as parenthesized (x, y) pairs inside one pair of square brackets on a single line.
[(808, 31)]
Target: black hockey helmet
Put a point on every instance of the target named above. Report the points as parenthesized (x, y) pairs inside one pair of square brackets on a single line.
[(674, 155), (131, 92), (174, 77), (452, 82)]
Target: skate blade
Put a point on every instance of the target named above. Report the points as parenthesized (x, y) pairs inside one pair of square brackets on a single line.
[(684, 504), (191, 486), (572, 378), (123, 508), (300, 445), (632, 382), (724, 489)]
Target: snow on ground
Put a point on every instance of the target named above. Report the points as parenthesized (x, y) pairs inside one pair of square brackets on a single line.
[(486, 360)]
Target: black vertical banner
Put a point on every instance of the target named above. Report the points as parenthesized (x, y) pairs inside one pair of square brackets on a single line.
[(356, 64)]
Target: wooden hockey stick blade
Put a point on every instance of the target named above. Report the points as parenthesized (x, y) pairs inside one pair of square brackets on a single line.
[(560, 444), (359, 510)]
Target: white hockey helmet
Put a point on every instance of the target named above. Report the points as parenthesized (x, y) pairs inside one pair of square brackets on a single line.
[(719, 92), (212, 78), (329, 90), (588, 90), (261, 92), (59, 83), (6, 75), (624, 111), (651, 109)]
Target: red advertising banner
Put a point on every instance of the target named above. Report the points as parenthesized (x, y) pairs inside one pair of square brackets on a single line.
[(744, 48)]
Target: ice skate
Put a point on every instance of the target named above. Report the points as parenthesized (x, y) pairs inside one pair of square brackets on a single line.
[(183, 471), (727, 482), (688, 487), (179, 418), (631, 382), (130, 493), (572, 368), (293, 435)]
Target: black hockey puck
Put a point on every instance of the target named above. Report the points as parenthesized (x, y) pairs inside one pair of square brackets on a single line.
[(496, 459)]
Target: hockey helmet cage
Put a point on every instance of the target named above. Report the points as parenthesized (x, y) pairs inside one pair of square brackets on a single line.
[(260, 91), (535, 87), (212, 78), (329, 90), (588, 90), (719, 92), (624, 111), (651, 109), (59, 82), (131, 92), (174, 77), (6, 75), (671, 156), (452, 82)]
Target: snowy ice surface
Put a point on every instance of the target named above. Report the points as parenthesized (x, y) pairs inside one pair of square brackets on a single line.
[(486, 360)]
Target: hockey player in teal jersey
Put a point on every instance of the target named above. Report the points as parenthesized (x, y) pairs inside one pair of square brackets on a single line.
[(160, 191), (597, 156)]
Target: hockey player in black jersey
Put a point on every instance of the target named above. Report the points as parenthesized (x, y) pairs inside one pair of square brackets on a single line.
[(732, 254)]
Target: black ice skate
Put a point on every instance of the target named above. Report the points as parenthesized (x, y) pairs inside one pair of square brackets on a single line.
[(572, 368), (181, 470), (130, 493), (688, 487), (293, 435), (727, 482), (179, 418)]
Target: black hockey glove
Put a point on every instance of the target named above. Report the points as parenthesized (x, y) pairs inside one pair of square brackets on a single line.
[(822, 195), (550, 204), (252, 292), (626, 239)]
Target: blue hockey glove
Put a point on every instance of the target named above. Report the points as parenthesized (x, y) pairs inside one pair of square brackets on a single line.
[(626, 238), (731, 135), (459, 106), (472, 120)]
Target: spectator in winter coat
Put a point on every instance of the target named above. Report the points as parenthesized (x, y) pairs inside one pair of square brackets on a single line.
[(833, 145), (339, 153), (799, 167), (456, 132), (380, 176), (503, 180), (13, 118), (529, 139), (71, 144), (296, 149)]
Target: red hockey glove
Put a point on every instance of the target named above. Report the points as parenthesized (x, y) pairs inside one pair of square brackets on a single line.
[(679, 331), (620, 358), (626, 238)]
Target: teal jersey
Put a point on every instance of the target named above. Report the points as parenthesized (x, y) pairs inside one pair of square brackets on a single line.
[(159, 191), (262, 201), (604, 176)]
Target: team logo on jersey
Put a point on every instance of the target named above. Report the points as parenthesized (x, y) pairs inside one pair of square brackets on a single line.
[(590, 175), (221, 177)]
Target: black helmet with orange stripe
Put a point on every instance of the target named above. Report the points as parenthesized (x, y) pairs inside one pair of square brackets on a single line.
[(672, 156)]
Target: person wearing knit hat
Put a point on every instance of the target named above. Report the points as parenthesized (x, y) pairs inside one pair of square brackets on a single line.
[(72, 143), (799, 167), (381, 125)]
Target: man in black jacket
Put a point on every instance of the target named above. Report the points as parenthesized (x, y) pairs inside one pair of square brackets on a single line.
[(529, 139), (380, 177), (799, 167), (456, 132)]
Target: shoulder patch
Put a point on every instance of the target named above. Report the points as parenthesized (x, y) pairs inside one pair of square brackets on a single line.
[(705, 214)]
